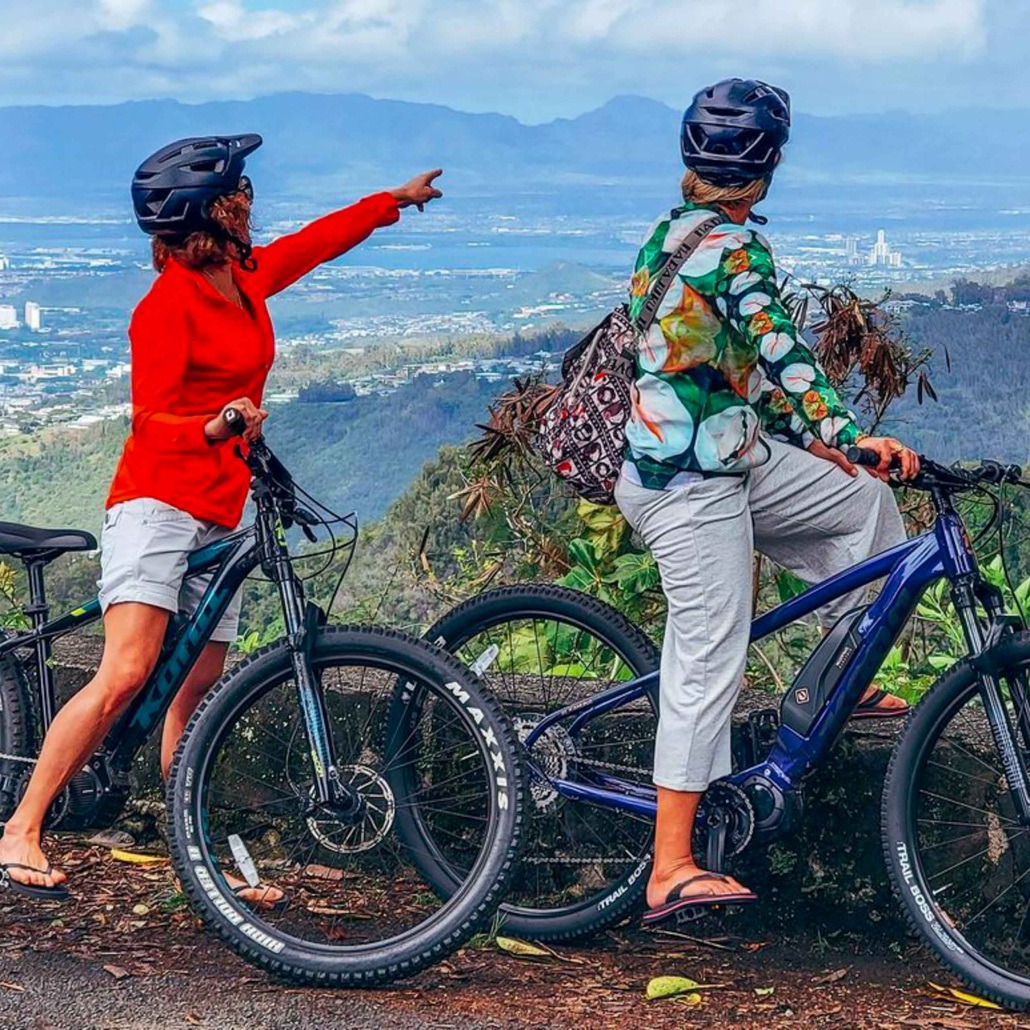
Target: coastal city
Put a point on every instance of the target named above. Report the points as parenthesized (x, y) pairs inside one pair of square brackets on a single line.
[(64, 308)]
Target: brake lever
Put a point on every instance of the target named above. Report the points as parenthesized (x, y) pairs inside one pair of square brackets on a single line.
[(303, 518)]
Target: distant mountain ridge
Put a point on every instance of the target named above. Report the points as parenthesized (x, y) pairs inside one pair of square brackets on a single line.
[(319, 141)]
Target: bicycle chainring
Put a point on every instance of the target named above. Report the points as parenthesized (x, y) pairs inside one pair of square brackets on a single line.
[(727, 804)]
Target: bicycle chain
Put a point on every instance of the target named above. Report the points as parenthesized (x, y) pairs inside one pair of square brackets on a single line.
[(599, 859), (613, 766), (17, 758)]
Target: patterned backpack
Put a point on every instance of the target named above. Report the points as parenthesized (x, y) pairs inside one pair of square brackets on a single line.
[(582, 435)]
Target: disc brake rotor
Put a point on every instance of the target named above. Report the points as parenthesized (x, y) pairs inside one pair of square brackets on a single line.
[(370, 827)]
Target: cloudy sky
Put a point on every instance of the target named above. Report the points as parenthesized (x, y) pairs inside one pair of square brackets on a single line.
[(536, 59)]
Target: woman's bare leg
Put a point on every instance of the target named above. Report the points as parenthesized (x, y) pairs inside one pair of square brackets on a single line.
[(673, 851), (202, 677), (133, 634)]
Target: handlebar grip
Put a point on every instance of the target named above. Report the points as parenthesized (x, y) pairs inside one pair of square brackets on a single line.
[(235, 421), (862, 456), (870, 459)]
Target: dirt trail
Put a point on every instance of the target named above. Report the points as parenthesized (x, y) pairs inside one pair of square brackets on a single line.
[(128, 954)]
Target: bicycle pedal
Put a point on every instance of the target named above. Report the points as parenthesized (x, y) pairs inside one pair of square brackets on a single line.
[(686, 916)]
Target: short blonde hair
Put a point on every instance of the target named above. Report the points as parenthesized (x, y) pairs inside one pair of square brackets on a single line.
[(697, 191)]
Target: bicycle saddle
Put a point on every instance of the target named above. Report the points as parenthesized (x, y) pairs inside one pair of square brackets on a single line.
[(16, 539)]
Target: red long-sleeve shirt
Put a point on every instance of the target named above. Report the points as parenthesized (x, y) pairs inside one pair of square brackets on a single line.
[(194, 351)]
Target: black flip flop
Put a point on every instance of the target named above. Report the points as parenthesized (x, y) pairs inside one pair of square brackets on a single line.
[(259, 906), (55, 893), (676, 903), (870, 708)]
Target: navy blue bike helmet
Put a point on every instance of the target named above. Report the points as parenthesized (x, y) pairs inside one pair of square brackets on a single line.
[(733, 132), (172, 189)]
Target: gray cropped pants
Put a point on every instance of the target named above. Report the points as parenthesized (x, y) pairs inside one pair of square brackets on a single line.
[(807, 515)]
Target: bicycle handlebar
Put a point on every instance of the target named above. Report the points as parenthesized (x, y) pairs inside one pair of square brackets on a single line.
[(234, 419), (954, 477)]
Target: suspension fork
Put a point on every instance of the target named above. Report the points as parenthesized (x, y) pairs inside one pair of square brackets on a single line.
[(964, 597), (302, 622), (1000, 623)]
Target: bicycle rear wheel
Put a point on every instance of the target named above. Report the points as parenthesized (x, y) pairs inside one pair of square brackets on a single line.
[(540, 648), (957, 856), (17, 734), (410, 726)]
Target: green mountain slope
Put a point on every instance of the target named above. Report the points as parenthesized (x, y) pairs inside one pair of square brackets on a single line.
[(356, 455)]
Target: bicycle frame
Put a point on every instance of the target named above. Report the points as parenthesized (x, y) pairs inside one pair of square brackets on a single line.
[(909, 568), (231, 560)]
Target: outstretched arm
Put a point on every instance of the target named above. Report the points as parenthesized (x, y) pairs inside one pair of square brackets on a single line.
[(288, 258)]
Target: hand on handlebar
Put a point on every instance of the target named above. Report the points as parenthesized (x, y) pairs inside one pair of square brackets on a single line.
[(893, 456), (241, 417)]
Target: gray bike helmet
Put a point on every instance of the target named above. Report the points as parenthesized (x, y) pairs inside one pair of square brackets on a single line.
[(172, 189), (733, 132)]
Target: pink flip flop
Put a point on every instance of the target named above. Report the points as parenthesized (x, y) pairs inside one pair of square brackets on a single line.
[(676, 903)]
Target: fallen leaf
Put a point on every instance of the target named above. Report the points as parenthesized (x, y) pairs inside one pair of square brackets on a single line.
[(136, 858), (965, 997), (764, 992), (140, 910), (117, 972), (669, 987), (522, 949), (11, 987), (830, 978), (753, 946)]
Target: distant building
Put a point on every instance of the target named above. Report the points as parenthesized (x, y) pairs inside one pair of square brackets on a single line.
[(33, 316), (8, 317), (882, 253), (851, 250)]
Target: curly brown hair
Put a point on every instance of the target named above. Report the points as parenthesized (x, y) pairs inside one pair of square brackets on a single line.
[(201, 249)]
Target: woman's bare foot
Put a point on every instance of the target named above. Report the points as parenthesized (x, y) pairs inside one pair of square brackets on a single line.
[(17, 849), (261, 896), (658, 889)]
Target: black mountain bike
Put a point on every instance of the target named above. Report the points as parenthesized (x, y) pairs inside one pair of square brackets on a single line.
[(580, 683), (317, 765)]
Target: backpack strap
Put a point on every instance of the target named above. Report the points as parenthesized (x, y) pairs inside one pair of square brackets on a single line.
[(676, 261)]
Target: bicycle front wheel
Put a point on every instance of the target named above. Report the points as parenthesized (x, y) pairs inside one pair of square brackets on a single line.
[(330, 896), (957, 855)]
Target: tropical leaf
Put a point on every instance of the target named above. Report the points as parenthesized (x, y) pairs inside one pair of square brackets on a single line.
[(634, 573)]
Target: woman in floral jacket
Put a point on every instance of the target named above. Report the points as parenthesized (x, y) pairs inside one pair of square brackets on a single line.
[(735, 442)]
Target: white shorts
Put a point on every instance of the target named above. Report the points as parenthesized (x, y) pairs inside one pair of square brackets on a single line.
[(144, 549)]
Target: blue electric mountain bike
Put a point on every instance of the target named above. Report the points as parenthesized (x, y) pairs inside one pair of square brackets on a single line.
[(301, 768), (579, 682)]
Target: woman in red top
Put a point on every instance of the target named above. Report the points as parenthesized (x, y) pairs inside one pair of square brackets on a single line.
[(202, 342)]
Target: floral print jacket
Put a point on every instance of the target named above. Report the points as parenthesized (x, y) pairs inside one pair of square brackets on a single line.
[(722, 361)]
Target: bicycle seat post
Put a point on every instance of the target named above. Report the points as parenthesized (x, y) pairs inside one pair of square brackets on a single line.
[(38, 611)]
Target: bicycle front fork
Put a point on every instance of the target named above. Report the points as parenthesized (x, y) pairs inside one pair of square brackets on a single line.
[(303, 620), (1006, 741)]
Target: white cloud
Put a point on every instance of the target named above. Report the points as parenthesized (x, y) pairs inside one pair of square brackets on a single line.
[(489, 51), (233, 22)]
